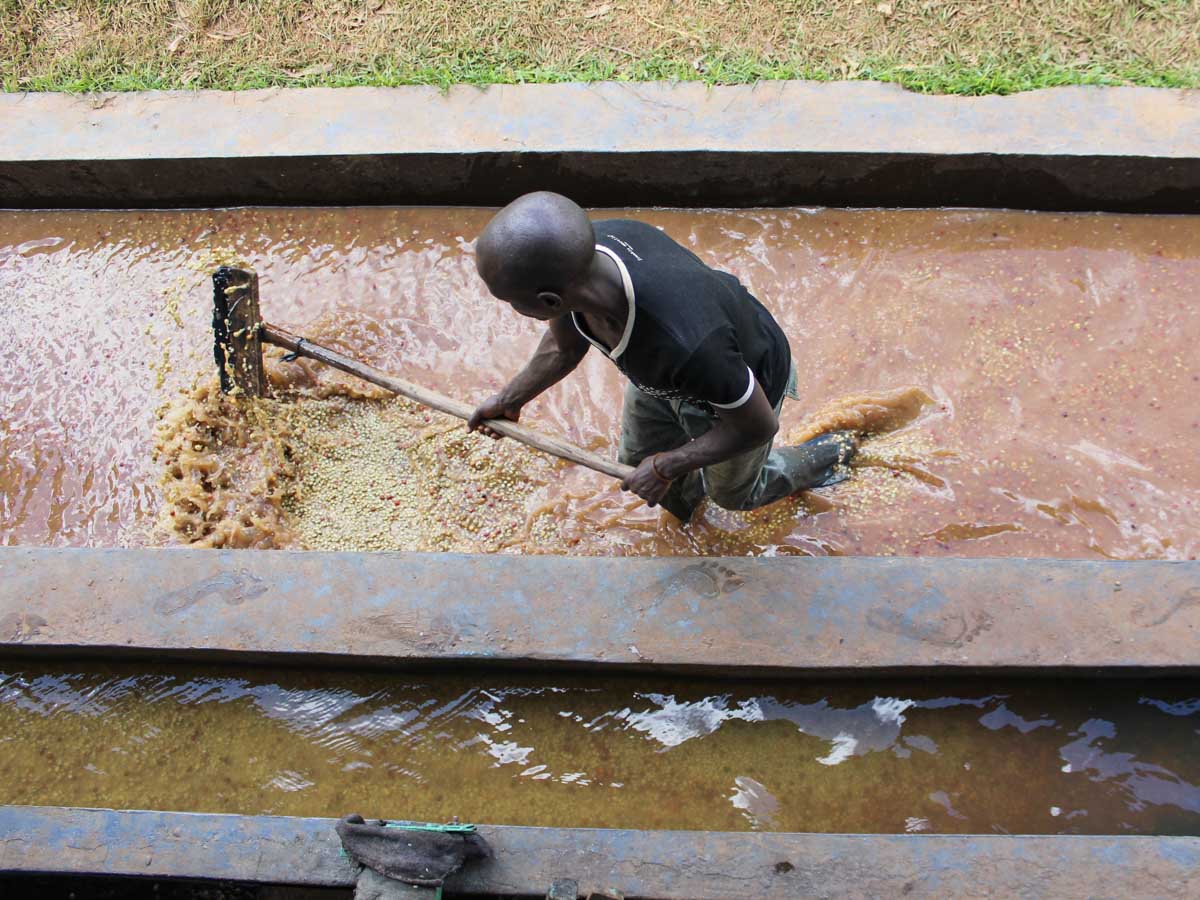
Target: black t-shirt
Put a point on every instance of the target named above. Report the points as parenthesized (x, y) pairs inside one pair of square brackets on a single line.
[(693, 333)]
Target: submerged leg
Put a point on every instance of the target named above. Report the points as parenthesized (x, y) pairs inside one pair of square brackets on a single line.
[(819, 462), (650, 425), (759, 477)]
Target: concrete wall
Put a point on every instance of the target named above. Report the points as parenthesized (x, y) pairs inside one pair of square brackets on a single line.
[(735, 616), (689, 865), (779, 143)]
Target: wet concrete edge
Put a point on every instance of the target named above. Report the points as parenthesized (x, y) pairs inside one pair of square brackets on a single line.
[(667, 864), (781, 143), (727, 616)]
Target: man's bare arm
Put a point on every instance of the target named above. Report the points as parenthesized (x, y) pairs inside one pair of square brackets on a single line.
[(736, 431), (558, 354)]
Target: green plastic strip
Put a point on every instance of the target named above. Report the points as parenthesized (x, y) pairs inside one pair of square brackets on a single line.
[(429, 826)]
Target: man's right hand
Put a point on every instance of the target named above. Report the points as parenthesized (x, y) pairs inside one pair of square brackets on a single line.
[(494, 407)]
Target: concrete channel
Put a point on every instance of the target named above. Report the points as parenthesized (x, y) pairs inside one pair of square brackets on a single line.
[(695, 865), (1128, 150), (774, 144), (783, 616)]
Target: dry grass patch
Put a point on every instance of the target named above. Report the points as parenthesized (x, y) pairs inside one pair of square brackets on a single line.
[(968, 47)]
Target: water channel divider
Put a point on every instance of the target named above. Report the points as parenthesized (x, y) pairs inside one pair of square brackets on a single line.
[(612, 144), (727, 616), (688, 865)]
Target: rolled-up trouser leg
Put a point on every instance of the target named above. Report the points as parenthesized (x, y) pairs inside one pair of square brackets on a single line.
[(764, 475), (747, 481), (650, 425)]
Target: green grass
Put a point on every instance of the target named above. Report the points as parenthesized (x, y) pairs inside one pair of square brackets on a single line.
[(970, 48), (968, 80)]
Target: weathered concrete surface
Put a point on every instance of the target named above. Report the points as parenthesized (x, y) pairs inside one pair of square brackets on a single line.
[(848, 143), (733, 615), (668, 864), (854, 116)]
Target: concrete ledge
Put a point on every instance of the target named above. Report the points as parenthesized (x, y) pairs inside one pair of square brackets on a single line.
[(665, 864), (734, 616), (776, 143)]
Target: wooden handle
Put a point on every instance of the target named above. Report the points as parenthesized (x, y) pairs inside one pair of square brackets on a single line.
[(272, 334)]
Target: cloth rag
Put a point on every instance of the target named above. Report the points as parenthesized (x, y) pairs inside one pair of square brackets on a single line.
[(409, 854)]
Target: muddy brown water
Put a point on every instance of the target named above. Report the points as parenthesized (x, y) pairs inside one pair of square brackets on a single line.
[(1059, 351), (1021, 757)]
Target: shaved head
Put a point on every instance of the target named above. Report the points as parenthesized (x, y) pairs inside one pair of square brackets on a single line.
[(541, 242)]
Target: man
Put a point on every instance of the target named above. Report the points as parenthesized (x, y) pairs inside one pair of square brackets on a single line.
[(707, 364)]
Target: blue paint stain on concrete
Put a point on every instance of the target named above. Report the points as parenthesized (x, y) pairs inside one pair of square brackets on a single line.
[(1115, 853), (1185, 854)]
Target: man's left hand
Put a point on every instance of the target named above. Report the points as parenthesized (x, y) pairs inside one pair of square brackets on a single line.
[(646, 483)]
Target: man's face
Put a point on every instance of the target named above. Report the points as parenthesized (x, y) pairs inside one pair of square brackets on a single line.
[(531, 302), (526, 302)]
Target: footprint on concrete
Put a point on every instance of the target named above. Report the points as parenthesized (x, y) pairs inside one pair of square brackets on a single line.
[(234, 588), (705, 580), (709, 579), (1157, 611), (951, 630), (21, 626)]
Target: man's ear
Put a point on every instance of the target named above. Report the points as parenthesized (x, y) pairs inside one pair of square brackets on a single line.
[(550, 299)]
